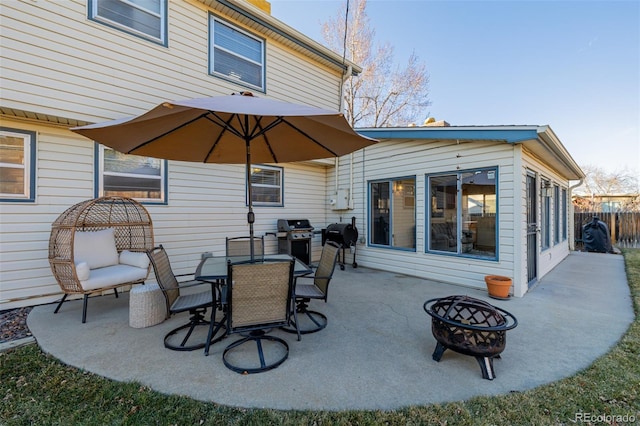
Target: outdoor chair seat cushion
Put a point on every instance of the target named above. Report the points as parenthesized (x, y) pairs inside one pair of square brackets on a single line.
[(113, 275), (190, 301), (308, 290)]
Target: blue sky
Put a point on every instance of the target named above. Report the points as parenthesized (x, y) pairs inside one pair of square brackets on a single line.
[(574, 65)]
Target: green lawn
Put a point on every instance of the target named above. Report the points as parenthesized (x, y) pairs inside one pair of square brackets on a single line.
[(38, 390)]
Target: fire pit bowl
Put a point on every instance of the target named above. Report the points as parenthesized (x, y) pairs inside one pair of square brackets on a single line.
[(471, 327)]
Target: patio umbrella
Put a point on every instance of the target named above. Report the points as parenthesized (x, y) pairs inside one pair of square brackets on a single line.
[(232, 129)]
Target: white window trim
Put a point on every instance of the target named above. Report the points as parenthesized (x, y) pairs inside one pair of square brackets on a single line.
[(212, 20), (280, 187), (93, 15), (100, 179), (29, 138)]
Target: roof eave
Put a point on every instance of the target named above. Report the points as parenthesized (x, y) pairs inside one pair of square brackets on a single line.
[(548, 139), (283, 33), (540, 140)]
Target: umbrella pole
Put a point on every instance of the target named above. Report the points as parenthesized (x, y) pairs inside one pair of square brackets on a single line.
[(250, 216)]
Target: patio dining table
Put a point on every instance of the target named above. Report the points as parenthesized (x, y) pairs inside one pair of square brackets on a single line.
[(214, 269)]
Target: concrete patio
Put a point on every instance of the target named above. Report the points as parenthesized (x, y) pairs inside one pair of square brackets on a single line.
[(376, 350)]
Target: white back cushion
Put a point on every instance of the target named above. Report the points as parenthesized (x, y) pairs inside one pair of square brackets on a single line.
[(139, 260), (97, 248)]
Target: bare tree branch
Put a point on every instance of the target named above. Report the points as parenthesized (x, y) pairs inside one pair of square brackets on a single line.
[(383, 94), (601, 182)]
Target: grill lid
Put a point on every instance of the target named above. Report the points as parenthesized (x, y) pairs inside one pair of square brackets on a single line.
[(342, 233), (289, 225)]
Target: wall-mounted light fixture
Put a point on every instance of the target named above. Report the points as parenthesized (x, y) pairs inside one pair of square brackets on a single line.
[(547, 189)]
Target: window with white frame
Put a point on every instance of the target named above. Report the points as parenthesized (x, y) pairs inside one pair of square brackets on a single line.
[(133, 176), (266, 185), (17, 165), (393, 213), (143, 18), (463, 213), (236, 55)]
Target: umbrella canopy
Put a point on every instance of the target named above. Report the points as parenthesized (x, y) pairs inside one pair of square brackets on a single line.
[(234, 129), (217, 129)]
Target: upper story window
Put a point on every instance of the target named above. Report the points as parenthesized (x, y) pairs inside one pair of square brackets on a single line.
[(17, 165), (393, 213), (463, 213), (143, 18), (266, 185), (133, 176), (236, 55)]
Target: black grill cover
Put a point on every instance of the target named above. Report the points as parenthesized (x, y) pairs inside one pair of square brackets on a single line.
[(342, 233), (596, 237)]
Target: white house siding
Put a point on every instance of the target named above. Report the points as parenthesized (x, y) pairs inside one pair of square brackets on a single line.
[(64, 177), (60, 67), (59, 63), (404, 157), (206, 204), (553, 255)]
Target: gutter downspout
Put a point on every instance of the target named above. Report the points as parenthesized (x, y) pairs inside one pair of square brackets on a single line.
[(346, 75)]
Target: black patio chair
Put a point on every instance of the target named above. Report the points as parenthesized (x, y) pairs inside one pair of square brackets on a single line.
[(258, 300), (317, 289), (195, 303)]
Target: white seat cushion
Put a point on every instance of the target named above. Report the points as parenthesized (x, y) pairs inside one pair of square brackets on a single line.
[(113, 275), (97, 248)]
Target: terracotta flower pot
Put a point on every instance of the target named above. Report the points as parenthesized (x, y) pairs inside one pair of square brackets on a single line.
[(498, 286)]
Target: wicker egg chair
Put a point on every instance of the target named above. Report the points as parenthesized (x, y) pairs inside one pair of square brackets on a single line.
[(132, 231)]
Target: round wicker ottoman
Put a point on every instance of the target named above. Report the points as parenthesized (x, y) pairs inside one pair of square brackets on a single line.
[(147, 306)]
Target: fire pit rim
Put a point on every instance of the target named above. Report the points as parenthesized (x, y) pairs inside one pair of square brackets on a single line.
[(503, 327)]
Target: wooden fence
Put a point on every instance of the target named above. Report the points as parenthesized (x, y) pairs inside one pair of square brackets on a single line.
[(623, 226)]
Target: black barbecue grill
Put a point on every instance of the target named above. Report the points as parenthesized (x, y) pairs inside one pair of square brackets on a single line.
[(294, 238), (345, 234)]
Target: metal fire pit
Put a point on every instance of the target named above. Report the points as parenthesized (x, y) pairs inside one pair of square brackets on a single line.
[(471, 327)]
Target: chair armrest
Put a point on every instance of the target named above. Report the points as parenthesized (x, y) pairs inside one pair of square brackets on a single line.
[(192, 283), (183, 275), (313, 277)]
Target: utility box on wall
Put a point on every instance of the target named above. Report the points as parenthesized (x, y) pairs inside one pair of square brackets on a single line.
[(340, 200)]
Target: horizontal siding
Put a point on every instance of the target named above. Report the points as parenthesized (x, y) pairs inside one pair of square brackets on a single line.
[(550, 257), (91, 72), (398, 158), (206, 204), (60, 66), (315, 83), (25, 227)]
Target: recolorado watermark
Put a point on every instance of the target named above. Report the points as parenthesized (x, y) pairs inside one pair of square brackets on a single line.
[(594, 418)]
